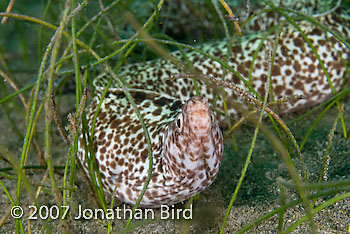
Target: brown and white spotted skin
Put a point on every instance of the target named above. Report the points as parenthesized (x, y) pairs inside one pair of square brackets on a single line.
[(187, 143), (187, 147), (296, 70)]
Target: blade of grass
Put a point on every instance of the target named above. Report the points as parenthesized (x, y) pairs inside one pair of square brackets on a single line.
[(48, 110), (316, 210), (267, 88), (12, 95), (289, 205)]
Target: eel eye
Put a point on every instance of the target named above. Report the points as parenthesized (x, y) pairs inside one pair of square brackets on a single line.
[(179, 122)]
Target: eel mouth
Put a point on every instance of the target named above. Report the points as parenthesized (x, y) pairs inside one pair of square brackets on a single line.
[(198, 116)]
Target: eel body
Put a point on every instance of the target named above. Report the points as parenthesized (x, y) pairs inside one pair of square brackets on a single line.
[(186, 140)]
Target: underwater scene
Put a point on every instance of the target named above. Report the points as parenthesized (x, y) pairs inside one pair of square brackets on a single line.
[(159, 116)]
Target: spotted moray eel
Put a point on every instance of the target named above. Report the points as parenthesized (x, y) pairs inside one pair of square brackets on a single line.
[(186, 140)]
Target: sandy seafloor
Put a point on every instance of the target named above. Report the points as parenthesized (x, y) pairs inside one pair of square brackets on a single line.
[(257, 196)]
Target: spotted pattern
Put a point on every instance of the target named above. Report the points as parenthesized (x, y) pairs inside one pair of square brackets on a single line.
[(296, 69), (186, 141), (187, 146)]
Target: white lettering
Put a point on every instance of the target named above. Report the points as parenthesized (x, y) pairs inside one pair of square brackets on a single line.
[(164, 210)]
